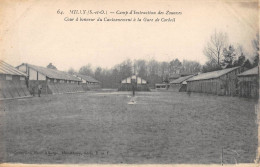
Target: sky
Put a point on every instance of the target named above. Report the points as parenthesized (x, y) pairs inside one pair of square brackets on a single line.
[(32, 31)]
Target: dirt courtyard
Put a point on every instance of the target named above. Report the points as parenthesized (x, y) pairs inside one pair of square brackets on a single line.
[(103, 127)]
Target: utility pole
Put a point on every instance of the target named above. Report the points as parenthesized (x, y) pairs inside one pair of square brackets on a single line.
[(133, 81)]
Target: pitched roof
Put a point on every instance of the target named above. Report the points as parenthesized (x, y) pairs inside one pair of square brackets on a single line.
[(8, 69), (212, 75), (181, 79), (54, 74), (87, 78), (253, 71)]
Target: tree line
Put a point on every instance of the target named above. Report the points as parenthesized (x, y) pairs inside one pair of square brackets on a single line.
[(222, 54), (153, 71), (219, 52)]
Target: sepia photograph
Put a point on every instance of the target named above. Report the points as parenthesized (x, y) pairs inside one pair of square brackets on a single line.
[(159, 82)]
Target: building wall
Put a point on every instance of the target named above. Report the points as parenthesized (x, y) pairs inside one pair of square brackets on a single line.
[(13, 86), (175, 87), (59, 88), (213, 86), (248, 86), (138, 80), (90, 86), (23, 69), (33, 87), (15, 78), (41, 77), (32, 74), (161, 86), (18, 78), (129, 87), (224, 85), (230, 82)]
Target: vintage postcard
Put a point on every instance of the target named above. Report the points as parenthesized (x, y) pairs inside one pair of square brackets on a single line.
[(133, 83)]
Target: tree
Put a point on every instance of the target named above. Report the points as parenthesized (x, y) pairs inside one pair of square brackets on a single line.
[(215, 46), (97, 73), (211, 66), (190, 67), (241, 57), (229, 56), (164, 71), (256, 60), (255, 44), (125, 69), (86, 70), (71, 71), (247, 64), (153, 72), (141, 68), (51, 66), (175, 66), (240, 61), (115, 78)]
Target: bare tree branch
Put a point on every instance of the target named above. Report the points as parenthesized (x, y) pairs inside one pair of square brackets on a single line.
[(214, 48)]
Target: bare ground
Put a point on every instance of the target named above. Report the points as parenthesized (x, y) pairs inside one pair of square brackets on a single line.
[(160, 127)]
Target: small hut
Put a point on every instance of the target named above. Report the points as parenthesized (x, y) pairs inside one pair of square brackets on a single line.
[(13, 83), (88, 82), (162, 86), (179, 85), (249, 83), (221, 82), (139, 83)]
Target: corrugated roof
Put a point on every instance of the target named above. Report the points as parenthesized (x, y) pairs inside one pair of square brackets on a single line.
[(181, 79), (87, 78), (54, 74), (211, 75), (253, 71), (8, 69)]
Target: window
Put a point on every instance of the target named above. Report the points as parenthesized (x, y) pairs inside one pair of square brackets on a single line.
[(8, 77), (22, 78)]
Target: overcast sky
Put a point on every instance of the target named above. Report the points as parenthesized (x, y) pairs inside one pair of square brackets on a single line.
[(32, 32)]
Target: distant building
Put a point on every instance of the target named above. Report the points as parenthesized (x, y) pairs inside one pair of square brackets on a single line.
[(249, 83), (51, 80), (88, 82), (139, 83), (162, 86), (221, 82), (12, 82), (180, 84)]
